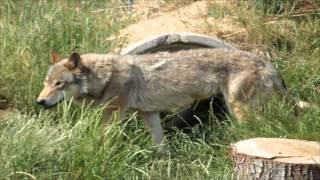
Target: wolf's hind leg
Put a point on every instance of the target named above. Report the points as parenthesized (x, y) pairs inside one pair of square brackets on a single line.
[(237, 108), (152, 121)]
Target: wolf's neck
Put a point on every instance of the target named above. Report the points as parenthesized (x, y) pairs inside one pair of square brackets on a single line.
[(121, 70)]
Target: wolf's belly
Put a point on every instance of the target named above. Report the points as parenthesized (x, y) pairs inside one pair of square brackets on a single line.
[(163, 102), (159, 102)]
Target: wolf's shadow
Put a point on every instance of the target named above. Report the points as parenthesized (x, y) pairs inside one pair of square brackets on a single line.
[(198, 113)]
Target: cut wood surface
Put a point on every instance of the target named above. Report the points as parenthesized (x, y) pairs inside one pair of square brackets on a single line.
[(276, 158)]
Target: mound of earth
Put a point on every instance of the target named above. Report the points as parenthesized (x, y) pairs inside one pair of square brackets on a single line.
[(194, 17)]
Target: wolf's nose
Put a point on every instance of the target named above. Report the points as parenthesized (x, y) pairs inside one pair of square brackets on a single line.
[(41, 102)]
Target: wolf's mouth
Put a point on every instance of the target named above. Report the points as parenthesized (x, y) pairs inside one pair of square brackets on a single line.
[(49, 106)]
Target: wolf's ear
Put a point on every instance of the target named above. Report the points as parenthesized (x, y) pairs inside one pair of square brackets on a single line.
[(74, 61), (55, 57)]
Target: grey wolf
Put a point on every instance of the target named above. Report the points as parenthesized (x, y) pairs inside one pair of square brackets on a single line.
[(157, 82)]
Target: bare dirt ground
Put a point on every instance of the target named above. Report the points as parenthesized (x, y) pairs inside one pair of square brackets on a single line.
[(155, 18)]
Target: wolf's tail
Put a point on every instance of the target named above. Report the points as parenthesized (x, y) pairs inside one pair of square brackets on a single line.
[(281, 89)]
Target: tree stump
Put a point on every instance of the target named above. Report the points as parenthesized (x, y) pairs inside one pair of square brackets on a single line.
[(276, 159)]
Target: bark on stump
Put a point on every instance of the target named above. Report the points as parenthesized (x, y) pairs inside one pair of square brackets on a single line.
[(276, 159)]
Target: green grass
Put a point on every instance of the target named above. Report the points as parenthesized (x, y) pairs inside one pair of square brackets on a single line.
[(31, 29), (67, 143)]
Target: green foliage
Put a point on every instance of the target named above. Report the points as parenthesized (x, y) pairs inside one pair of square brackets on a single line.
[(68, 143), (273, 6), (31, 29)]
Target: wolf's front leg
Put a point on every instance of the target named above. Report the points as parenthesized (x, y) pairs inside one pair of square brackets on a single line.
[(109, 114), (152, 121)]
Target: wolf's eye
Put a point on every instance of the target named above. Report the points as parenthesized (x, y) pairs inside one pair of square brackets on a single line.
[(58, 83)]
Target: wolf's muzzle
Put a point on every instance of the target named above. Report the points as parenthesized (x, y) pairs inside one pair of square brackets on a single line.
[(45, 104), (41, 102)]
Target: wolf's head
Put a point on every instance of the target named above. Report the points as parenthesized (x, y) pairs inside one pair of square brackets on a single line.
[(63, 80)]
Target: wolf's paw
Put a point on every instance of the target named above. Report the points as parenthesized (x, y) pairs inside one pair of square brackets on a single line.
[(303, 105)]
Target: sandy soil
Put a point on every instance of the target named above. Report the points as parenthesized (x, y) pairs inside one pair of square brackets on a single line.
[(153, 19)]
